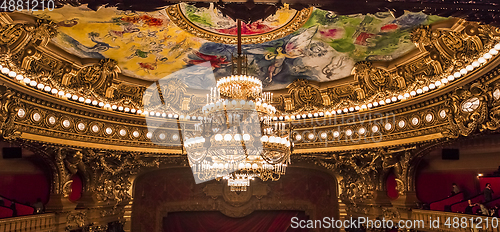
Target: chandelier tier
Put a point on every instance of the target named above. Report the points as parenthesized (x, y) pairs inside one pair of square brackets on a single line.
[(237, 141)]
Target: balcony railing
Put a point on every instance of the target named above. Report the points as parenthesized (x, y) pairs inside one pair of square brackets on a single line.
[(38, 223), (445, 221)]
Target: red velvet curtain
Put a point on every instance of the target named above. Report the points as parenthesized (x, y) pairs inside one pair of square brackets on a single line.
[(259, 221)]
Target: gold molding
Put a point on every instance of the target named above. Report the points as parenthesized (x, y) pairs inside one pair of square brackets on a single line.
[(399, 142), (178, 18), (73, 143)]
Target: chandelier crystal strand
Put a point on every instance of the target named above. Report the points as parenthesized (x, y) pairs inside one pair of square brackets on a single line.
[(238, 140)]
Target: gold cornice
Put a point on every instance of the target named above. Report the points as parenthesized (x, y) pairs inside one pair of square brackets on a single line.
[(74, 143), (178, 18)]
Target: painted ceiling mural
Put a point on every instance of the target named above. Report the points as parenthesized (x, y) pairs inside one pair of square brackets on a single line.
[(210, 19), (149, 46)]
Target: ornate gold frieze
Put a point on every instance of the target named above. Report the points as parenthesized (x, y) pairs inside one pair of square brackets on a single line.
[(175, 14)]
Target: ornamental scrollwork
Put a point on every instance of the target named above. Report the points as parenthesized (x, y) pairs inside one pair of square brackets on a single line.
[(363, 172), (98, 77), (10, 106), (467, 110), (305, 96), (76, 220), (111, 173)]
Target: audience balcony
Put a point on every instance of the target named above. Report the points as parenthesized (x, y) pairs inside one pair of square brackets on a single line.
[(38, 223), (466, 222)]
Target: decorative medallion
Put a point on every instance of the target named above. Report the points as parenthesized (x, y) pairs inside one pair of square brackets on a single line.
[(470, 104)]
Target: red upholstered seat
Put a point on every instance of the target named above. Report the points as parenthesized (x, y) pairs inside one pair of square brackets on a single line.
[(460, 206), (441, 204), (5, 212), (23, 210)]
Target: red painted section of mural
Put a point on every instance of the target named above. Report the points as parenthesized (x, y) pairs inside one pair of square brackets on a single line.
[(155, 190)]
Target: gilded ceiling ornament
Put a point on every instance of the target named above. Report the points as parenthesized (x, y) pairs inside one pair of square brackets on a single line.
[(9, 111), (177, 16), (98, 77), (305, 96), (363, 172), (467, 110)]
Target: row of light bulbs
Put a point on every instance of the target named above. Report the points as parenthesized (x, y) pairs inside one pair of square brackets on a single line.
[(477, 63), (60, 93)]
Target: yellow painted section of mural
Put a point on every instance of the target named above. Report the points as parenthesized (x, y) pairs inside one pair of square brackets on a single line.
[(146, 45)]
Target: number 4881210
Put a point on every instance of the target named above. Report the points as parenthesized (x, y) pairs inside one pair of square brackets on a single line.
[(27, 5)]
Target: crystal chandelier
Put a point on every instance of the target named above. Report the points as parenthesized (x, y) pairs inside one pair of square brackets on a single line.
[(239, 138)]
